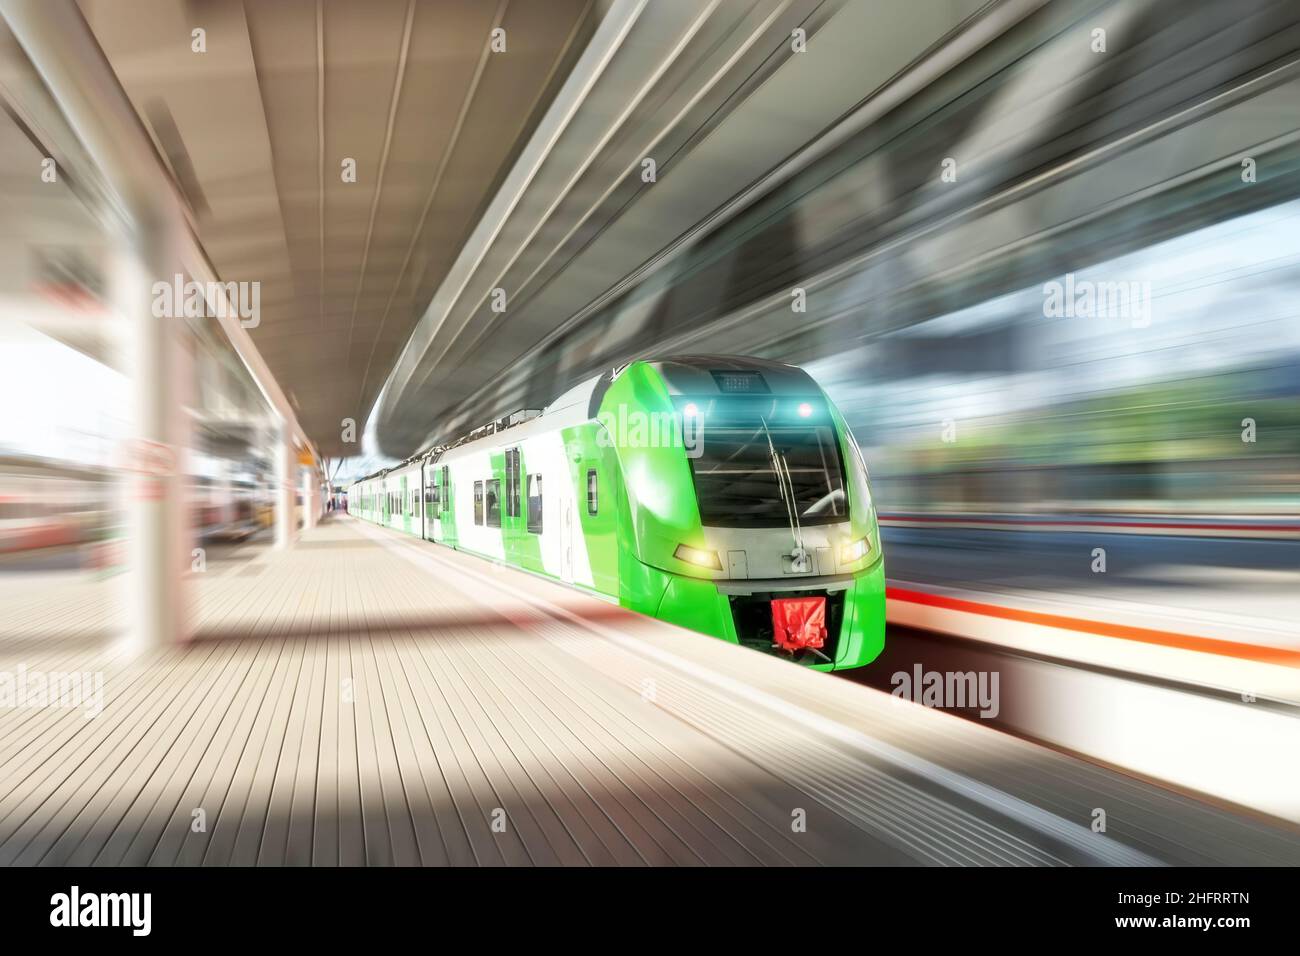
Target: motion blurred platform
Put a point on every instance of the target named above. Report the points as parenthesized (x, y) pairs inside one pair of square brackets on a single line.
[(364, 698)]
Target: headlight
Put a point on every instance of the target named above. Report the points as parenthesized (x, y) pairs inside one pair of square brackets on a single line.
[(855, 552), (698, 556)]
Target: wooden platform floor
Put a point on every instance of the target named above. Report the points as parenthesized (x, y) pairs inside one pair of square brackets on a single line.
[(363, 698)]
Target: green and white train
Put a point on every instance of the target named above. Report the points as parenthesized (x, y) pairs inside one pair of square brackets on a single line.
[(722, 494)]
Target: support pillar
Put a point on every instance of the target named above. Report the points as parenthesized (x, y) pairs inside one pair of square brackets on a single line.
[(310, 499), (286, 488), (159, 532)]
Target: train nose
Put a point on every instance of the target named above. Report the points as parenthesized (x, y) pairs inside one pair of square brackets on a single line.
[(803, 626)]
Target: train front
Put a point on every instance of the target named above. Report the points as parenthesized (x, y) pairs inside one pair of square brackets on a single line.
[(756, 523)]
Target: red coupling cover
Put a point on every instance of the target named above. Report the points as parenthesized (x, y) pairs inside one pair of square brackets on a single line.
[(799, 622)]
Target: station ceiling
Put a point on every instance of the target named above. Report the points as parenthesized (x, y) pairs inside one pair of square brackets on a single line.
[(520, 176), (257, 127)]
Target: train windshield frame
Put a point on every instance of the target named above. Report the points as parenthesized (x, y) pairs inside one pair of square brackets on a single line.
[(736, 478)]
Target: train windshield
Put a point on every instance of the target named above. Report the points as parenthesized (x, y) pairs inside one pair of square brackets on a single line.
[(757, 476)]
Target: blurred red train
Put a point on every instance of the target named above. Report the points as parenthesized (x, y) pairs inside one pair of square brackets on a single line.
[(44, 505)]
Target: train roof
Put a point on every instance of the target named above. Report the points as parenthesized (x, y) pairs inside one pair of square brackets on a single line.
[(571, 408), (683, 374), (708, 375)]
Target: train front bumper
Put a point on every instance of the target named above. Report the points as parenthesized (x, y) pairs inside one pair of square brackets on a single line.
[(855, 615)]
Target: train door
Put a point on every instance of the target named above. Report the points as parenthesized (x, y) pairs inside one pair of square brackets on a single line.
[(433, 493), (447, 521), (567, 518), (417, 481), (403, 505)]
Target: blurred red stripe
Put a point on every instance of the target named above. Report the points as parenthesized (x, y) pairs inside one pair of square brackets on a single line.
[(1207, 645)]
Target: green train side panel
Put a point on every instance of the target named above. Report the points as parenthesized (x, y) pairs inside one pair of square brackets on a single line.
[(697, 605), (522, 548), (662, 513), (863, 628), (641, 588), (586, 450)]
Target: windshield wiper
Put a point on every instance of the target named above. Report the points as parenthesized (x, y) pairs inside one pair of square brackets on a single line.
[(799, 561)]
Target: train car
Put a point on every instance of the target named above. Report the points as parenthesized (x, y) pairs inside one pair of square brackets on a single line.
[(723, 494), (366, 499), (402, 498)]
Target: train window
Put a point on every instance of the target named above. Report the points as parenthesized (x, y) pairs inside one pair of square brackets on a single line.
[(535, 504), (593, 497), (492, 503), (432, 498), (749, 476), (478, 502), (446, 488), (512, 482)]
